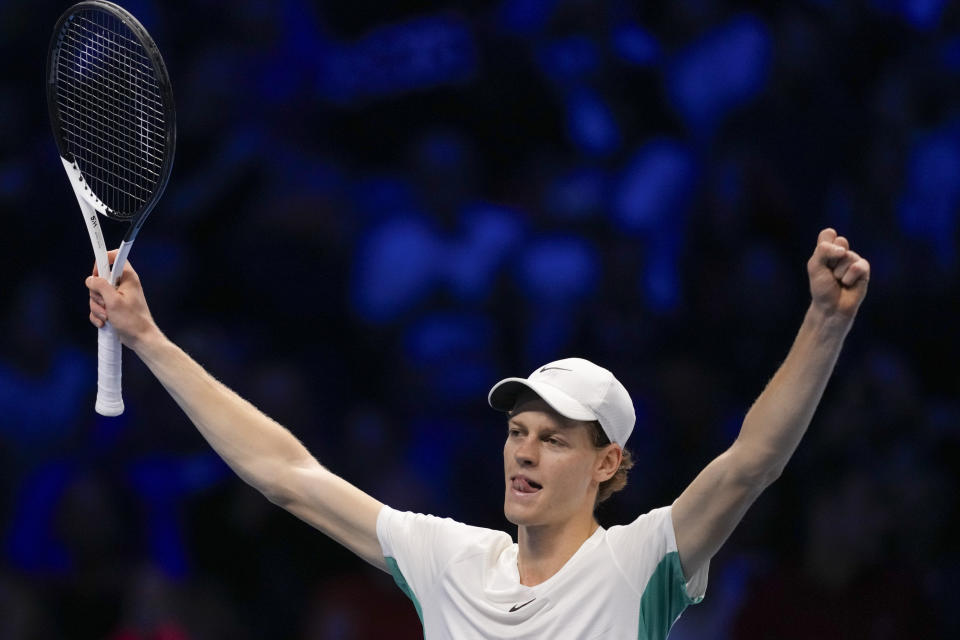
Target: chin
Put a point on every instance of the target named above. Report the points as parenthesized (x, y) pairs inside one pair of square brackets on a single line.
[(515, 518), (518, 515)]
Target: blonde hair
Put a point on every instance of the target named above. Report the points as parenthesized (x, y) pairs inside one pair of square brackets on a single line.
[(618, 480)]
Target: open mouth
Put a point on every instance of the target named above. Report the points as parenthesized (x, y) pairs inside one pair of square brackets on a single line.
[(524, 485)]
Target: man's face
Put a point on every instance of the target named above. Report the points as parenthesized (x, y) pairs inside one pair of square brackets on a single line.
[(549, 465)]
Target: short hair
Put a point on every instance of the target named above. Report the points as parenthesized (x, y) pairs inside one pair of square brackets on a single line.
[(618, 480)]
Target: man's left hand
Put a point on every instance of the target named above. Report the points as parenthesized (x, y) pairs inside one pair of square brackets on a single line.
[(838, 276)]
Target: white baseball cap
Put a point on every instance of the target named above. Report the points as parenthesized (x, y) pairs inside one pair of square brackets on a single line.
[(577, 389)]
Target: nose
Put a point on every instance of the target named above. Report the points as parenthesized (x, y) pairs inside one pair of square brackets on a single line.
[(527, 452)]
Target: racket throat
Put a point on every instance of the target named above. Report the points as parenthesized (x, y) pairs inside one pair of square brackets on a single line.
[(120, 260), (89, 211), (90, 205)]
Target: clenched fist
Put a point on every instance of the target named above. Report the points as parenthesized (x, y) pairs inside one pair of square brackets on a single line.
[(838, 276)]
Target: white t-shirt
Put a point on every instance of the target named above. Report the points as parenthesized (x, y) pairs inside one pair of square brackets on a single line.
[(623, 582)]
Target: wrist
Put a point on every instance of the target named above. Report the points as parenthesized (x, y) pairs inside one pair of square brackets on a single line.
[(832, 324), (148, 341)]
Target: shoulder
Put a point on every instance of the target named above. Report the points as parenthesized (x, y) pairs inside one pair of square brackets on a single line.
[(655, 526), (405, 528), (646, 552), (639, 547), (419, 548)]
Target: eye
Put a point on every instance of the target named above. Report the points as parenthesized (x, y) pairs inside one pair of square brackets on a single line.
[(555, 441)]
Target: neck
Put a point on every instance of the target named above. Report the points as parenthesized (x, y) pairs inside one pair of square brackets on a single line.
[(544, 549)]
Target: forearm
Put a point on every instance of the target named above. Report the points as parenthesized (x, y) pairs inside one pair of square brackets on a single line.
[(781, 414), (708, 510), (256, 447)]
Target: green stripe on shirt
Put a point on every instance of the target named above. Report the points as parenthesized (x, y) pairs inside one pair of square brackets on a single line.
[(663, 600), (402, 583)]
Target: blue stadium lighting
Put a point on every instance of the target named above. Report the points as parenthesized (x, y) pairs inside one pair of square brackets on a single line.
[(438, 335), (524, 17), (378, 196), (471, 263), (452, 350), (31, 543), (577, 194), (569, 59), (929, 207), (950, 54), (37, 412), (660, 280), (443, 150), (920, 14), (634, 44), (420, 53), (559, 269), (394, 269), (655, 188), (590, 123), (720, 71), (164, 482)]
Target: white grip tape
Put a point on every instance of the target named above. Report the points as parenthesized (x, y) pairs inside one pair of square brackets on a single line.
[(109, 398)]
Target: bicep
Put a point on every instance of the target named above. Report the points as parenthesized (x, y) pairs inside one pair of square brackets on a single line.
[(708, 510), (334, 506)]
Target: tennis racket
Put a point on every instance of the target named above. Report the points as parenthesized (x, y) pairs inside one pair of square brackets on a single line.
[(111, 107)]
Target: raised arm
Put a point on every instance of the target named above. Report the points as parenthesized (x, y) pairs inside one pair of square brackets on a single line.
[(709, 509), (262, 452)]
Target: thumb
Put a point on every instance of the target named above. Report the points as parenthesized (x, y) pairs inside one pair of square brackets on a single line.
[(99, 285)]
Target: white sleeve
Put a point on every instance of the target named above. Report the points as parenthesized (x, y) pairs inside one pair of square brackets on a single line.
[(418, 548), (646, 552)]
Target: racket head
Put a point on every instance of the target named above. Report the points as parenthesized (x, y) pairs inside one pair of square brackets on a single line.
[(111, 108)]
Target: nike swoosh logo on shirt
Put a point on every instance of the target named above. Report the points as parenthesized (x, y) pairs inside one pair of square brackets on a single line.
[(520, 606)]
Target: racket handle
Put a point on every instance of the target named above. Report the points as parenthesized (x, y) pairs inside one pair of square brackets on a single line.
[(109, 396)]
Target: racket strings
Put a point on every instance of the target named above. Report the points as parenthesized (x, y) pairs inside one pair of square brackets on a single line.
[(82, 32), (111, 110), (114, 131), (111, 79), (134, 50)]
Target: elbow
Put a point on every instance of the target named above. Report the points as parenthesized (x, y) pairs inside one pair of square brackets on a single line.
[(756, 479), (755, 470), (272, 482), (275, 491), (277, 495), (289, 483), (770, 475)]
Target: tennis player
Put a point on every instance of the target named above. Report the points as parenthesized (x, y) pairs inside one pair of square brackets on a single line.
[(568, 422)]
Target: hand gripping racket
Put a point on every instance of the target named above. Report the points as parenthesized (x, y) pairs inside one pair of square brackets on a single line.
[(111, 107)]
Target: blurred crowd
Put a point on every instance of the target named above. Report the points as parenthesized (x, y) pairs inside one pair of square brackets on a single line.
[(380, 209)]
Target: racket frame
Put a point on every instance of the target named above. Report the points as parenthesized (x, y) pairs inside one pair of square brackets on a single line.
[(109, 353)]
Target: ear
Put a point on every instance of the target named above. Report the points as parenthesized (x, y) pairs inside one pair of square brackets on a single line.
[(608, 461)]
